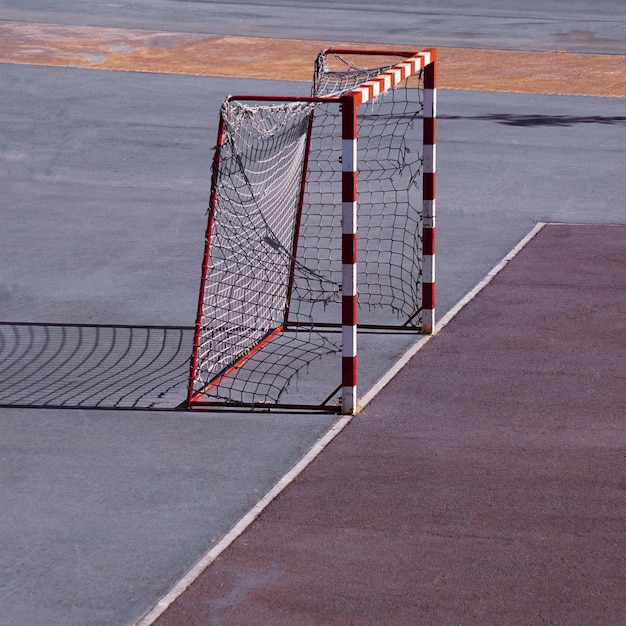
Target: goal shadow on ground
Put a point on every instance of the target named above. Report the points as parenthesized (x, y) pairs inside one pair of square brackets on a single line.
[(510, 119), (93, 366)]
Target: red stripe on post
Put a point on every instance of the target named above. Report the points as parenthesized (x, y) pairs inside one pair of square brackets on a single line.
[(348, 311), (348, 371), (429, 241), (430, 131), (429, 181), (428, 295), (348, 117), (348, 248), (348, 186)]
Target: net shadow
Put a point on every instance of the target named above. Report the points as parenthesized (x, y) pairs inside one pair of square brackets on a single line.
[(295, 369), (93, 366)]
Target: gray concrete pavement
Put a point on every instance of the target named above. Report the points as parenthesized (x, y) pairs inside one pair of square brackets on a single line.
[(106, 180), (576, 26), (506, 161), (103, 511)]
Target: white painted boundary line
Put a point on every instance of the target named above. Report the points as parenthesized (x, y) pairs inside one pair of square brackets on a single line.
[(164, 603), (160, 607), (420, 343)]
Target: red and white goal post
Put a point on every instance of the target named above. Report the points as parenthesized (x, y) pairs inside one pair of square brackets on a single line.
[(286, 282)]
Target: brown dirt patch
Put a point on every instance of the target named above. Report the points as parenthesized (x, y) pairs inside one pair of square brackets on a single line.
[(288, 59)]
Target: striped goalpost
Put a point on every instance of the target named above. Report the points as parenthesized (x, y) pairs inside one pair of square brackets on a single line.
[(350, 102), (300, 254)]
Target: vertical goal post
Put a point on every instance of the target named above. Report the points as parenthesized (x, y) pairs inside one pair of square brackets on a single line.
[(270, 302)]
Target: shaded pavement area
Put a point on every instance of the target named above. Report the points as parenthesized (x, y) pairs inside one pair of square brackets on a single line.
[(484, 485)]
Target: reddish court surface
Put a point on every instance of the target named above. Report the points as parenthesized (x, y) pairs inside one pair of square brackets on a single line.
[(486, 484)]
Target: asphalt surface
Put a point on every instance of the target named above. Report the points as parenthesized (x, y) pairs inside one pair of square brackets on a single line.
[(104, 179), (577, 26)]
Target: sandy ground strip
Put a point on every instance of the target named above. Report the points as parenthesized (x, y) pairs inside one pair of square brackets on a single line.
[(555, 72)]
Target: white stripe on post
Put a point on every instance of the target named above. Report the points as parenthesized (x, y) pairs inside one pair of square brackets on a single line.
[(430, 102)]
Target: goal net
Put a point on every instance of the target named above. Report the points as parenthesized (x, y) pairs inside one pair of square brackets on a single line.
[(284, 272)]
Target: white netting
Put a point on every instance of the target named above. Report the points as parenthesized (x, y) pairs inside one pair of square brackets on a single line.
[(389, 163), (258, 174), (327, 82)]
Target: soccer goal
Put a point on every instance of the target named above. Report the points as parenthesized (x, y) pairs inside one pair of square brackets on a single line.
[(321, 224)]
